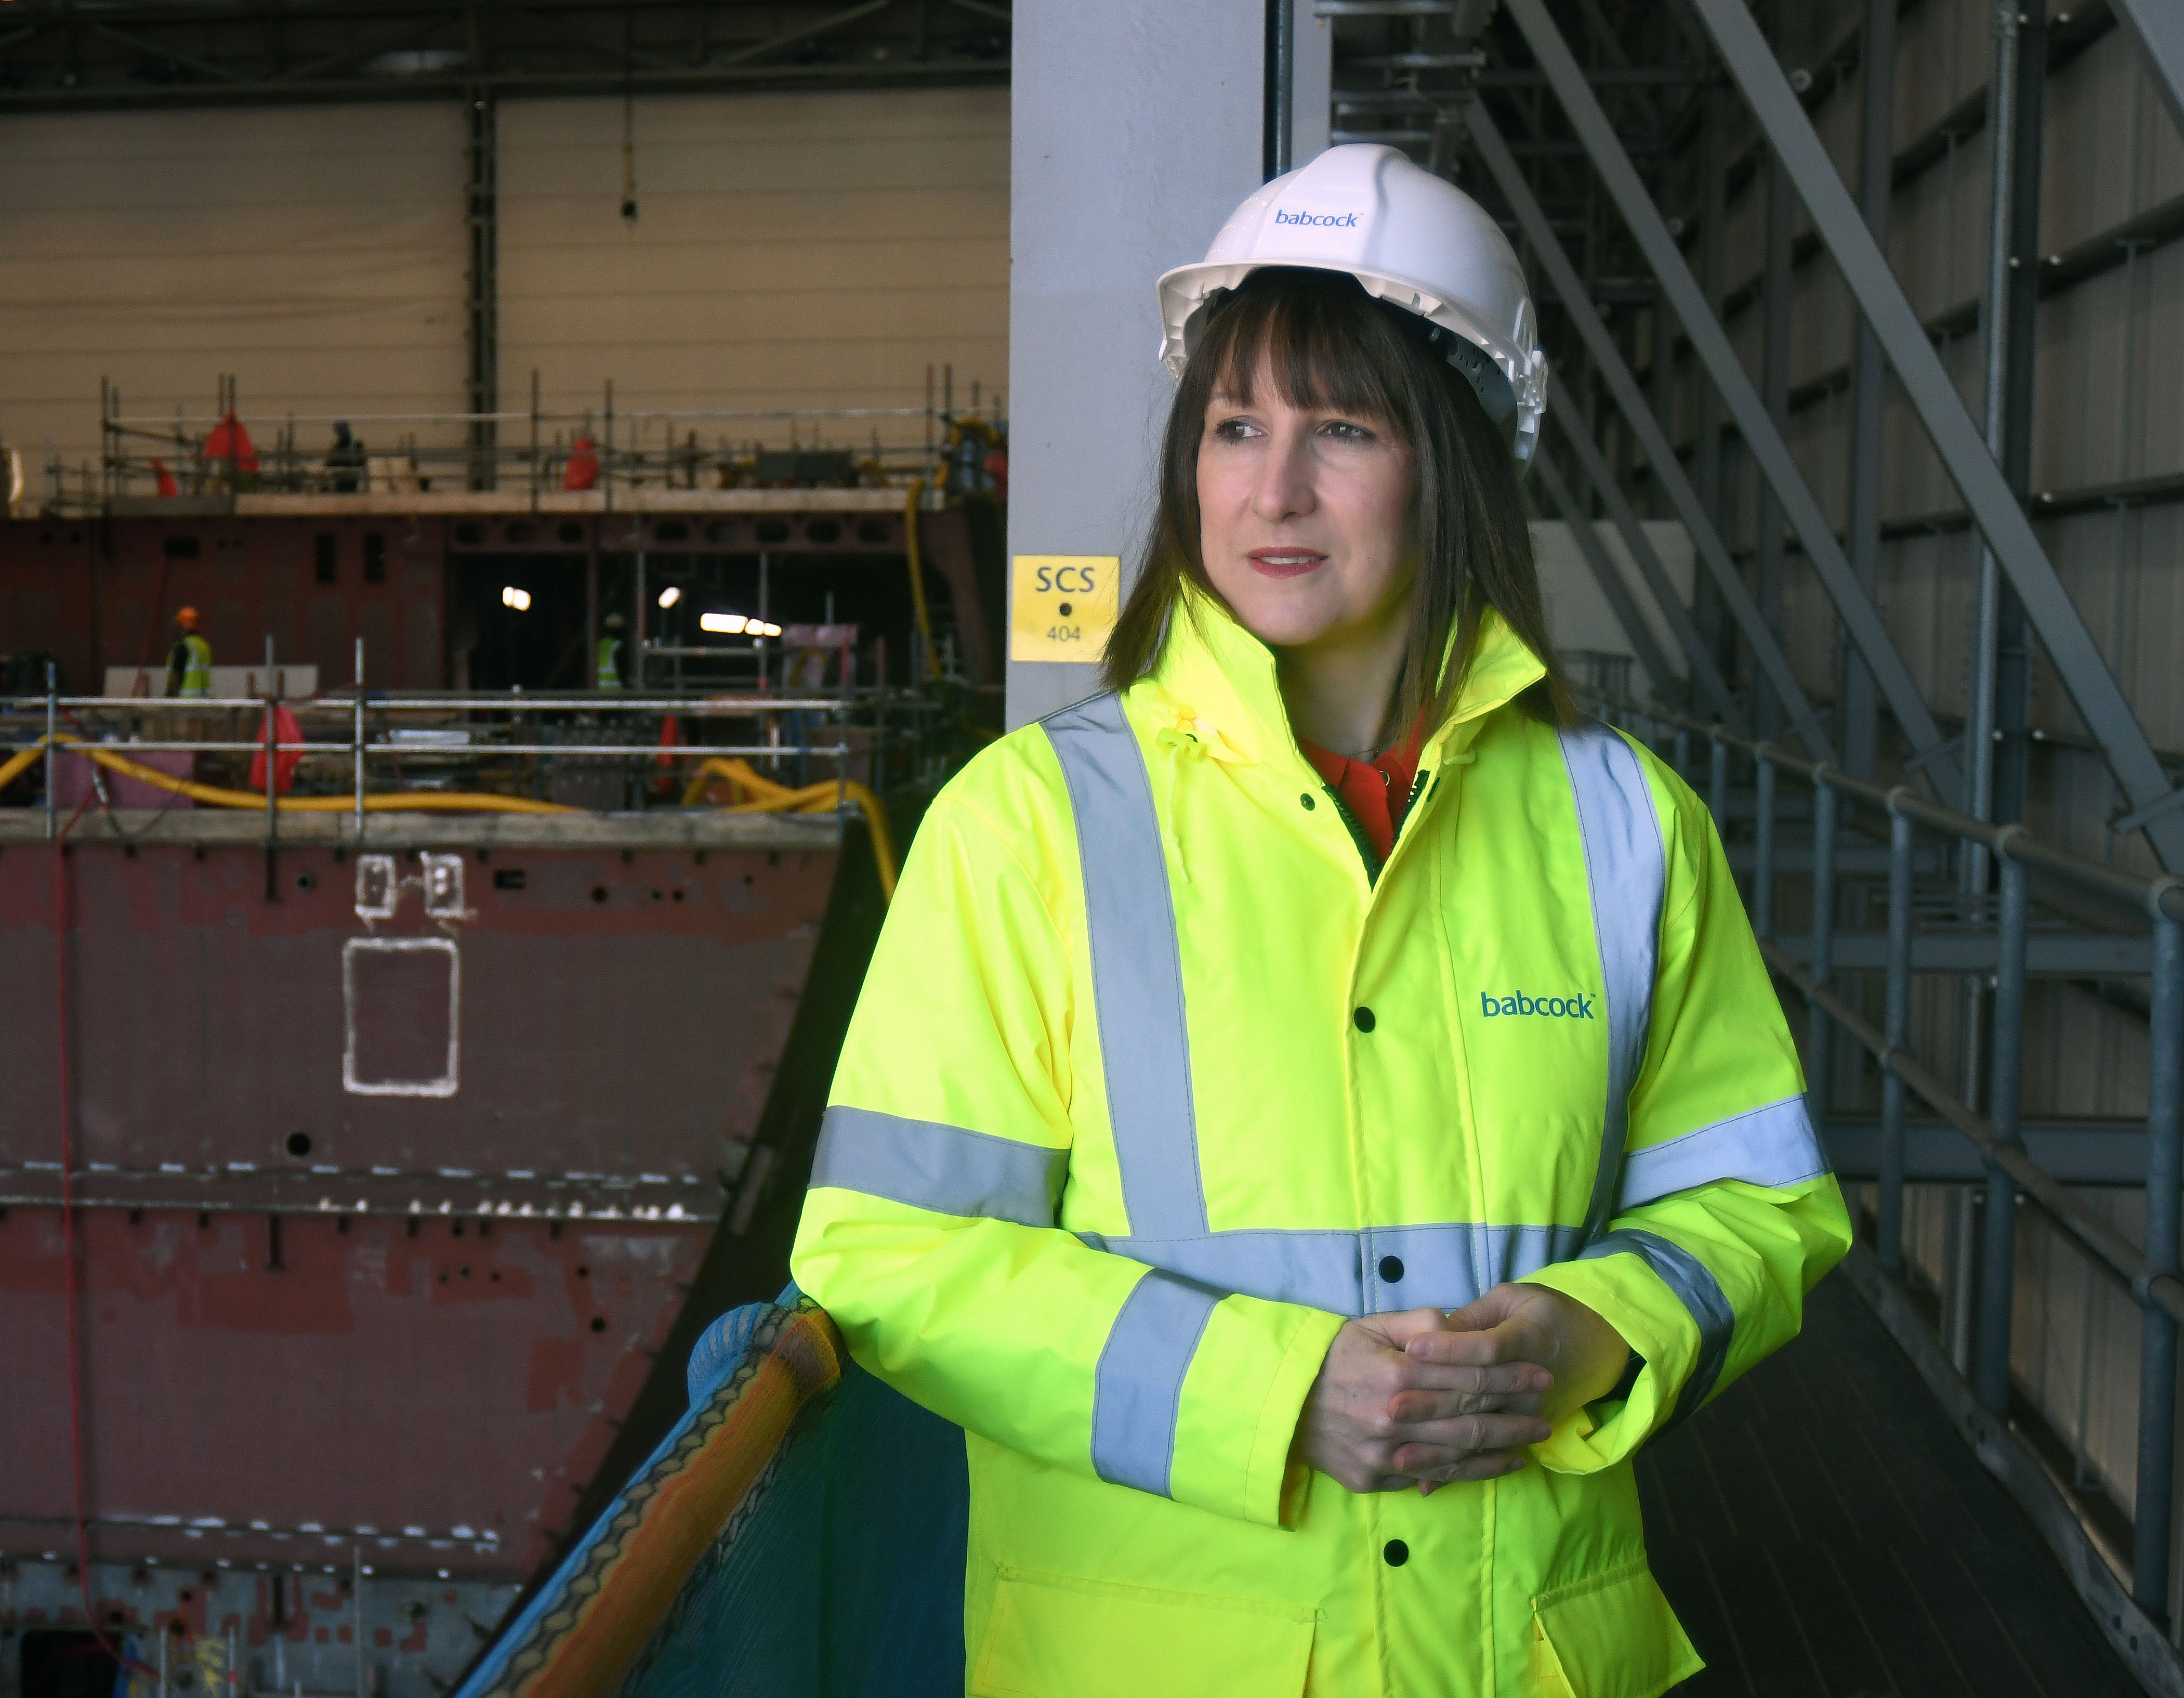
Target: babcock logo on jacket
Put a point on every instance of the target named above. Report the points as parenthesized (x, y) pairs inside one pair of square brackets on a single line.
[(1325, 220), (1553, 1008)]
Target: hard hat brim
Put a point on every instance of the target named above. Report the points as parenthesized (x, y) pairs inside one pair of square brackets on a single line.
[(1185, 291)]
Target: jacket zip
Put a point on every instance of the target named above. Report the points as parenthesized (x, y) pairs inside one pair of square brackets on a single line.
[(1366, 851)]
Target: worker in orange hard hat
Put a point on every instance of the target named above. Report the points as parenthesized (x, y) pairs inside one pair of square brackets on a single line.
[(189, 663)]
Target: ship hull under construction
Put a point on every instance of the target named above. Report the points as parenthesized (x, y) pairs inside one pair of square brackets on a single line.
[(397, 1170)]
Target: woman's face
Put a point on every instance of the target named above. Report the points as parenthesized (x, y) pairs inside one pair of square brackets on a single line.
[(1306, 519)]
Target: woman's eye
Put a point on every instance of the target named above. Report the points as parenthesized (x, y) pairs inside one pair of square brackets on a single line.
[(1236, 430), (1342, 430)]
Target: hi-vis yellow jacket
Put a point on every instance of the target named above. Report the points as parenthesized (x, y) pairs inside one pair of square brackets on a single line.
[(1153, 1083)]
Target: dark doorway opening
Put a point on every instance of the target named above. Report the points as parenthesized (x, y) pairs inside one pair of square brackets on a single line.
[(56, 1664)]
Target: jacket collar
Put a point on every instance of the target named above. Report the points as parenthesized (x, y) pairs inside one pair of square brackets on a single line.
[(1215, 682)]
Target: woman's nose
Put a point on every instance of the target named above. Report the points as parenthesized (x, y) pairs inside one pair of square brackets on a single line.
[(1285, 488)]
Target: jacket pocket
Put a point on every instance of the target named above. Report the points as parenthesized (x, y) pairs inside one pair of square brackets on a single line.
[(1058, 1636), (1610, 1635)]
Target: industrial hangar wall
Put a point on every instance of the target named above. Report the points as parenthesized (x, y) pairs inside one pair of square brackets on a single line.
[(789, 251), (317, 254), (2108, 415)]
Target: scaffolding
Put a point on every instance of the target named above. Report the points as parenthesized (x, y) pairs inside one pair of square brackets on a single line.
[(609, 451)]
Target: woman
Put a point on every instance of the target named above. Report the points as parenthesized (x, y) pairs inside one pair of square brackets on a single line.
[(1316, 1110)]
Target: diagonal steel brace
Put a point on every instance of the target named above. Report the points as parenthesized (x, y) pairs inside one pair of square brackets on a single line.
[(1486, 136), (2093, 688), (1612, 586), (1861, 619), (1594, 464)]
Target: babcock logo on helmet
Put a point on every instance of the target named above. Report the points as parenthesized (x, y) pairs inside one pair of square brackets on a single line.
[(1325, 221), (1554, 1008)]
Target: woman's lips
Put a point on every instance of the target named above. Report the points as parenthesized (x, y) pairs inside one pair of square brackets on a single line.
[(1285, 562)]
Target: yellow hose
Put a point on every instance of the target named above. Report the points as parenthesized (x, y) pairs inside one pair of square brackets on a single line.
[(403, 802), (17, 764), (917, 578), (819, 798), (772, 798)]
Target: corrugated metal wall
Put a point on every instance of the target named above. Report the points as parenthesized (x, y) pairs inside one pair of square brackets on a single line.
[(789, 251), (317, 254), (2110, 408)]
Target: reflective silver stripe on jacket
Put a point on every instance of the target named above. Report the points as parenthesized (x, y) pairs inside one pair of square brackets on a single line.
[(1145, 1039), (953, 1170), (1137, 969), (1626, 865), (1696, 1289), (1138, 1387), (1773, 1146), (1374, 1272), (928, 1164)]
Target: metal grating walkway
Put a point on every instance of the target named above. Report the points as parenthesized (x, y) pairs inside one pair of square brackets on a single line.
[(1823, 1532)]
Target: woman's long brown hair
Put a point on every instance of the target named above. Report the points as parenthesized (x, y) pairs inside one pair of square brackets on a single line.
[(1322, 342)]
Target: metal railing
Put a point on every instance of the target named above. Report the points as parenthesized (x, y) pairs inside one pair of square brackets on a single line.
[(482, 729), (2152, 1275), (537, 450)]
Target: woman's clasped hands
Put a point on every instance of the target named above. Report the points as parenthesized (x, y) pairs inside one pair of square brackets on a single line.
[(1427, 1397)]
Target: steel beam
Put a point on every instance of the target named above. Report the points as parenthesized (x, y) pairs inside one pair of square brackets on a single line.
[(2048, 954), (1934, 1153), (1861, 619), (1612, 586), (1778, 282), (482, 218), (1703, 671), (2157, 27), (1856, 712), (2093, 688), (2013, 722), (1487, 138)]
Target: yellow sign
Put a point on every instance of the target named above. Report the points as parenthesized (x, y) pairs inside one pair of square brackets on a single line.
[(1062, 606)]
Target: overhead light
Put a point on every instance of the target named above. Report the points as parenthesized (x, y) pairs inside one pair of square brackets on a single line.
[(723, 625), (670, 596), (759, 628), (519, 600)]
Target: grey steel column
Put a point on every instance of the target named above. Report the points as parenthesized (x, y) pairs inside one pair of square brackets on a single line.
[(1612, 586), (1762, 850), (1857, 719), (2164, 1175), (1998, 1253), (1703, 670), (1115, 92), (2069, 644), (1994, 345), (1281, 85), (1819, 1033), (1861, 619), (1486, 137), (1776, 279), (1718, 785), (1889, 1226), (2013, 712), (1713, 215)]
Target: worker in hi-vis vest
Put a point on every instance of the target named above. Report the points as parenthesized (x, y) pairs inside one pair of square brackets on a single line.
[(1317, 1109), (609, 675), (189, 663)]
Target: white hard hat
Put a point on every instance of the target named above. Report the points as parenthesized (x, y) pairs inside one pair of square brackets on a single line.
[(1412, 240)]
